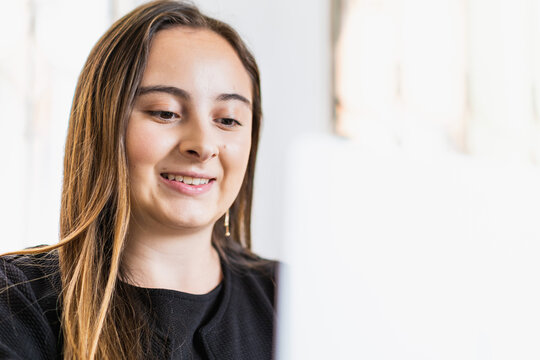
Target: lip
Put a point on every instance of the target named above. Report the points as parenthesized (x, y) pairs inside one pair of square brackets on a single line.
[(186, 189), (190, 173)]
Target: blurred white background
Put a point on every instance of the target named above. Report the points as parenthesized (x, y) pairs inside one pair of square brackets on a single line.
[(441, 74)]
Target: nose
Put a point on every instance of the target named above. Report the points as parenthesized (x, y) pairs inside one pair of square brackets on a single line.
[(197, 143)]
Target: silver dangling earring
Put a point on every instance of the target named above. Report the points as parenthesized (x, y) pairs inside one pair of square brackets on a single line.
[(226, 223)]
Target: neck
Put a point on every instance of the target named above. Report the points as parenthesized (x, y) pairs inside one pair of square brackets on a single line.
[(184, 262)]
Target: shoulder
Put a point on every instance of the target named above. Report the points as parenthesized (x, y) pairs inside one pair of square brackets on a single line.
[(30, 266), (35, 275), (243, 325), (252, 278), (29, 311)]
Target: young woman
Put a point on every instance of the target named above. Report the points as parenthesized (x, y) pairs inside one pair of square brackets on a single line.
[(154, 258)]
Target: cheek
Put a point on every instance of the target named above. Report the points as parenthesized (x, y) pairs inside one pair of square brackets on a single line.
[(237, 156), (142, 147)]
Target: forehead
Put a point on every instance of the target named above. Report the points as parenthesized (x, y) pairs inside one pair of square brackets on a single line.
[(196, 60)]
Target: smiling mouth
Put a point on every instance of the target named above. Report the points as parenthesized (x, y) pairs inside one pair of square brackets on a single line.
[(188, 180)]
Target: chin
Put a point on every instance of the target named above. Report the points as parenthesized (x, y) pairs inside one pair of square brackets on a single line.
[(189, 223)]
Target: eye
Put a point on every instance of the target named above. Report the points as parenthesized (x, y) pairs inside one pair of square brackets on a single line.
[(228, 122), (164, 115)]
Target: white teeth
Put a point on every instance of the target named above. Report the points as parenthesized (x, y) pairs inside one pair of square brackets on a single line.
[(187, 179)]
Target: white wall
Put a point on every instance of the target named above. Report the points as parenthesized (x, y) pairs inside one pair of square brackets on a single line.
[(290, 39)]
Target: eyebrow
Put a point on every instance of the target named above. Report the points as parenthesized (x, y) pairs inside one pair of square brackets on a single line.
[(228, 97), (164, 89), (185, 95)]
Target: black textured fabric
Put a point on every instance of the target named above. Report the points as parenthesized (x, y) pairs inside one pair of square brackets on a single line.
[(178, 317), (29, 314), (236, 322)]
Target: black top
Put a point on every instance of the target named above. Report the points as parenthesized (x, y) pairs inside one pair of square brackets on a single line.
[(233, 321), (179, 315)]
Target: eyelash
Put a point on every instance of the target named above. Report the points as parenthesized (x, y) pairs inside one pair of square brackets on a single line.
[(158, 114), (172, 116), (233, 124)]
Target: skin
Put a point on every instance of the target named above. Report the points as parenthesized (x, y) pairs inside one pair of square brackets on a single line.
[(192, 114)]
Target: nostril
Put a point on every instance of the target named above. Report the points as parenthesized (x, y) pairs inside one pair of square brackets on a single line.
[(198, 152)]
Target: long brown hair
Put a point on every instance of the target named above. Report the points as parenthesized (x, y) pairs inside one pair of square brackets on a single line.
[(98, 318)]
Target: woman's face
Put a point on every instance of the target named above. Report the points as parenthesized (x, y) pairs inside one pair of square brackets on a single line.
[(189, 135)]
